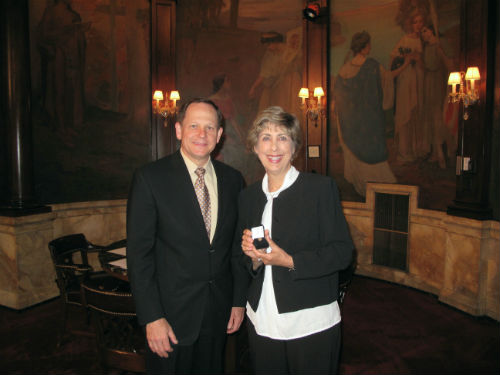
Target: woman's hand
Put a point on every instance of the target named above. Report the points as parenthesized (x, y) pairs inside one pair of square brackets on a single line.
[(249, 249), (277, 256)]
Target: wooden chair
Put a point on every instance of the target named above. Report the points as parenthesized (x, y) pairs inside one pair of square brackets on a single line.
[(70, 272), (120, 340)]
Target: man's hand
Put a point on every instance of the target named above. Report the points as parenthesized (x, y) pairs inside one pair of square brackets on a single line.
[(237, 314), (160, 335)]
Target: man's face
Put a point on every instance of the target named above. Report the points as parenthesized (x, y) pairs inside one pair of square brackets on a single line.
[(199, 132)]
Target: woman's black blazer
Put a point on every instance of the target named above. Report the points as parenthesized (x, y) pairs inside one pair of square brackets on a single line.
[(308, 223)]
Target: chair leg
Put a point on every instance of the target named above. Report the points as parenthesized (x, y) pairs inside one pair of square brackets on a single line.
[(62, 326)]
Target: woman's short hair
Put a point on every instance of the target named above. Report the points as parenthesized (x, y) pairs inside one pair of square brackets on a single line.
[(360, 41), (275, 116)]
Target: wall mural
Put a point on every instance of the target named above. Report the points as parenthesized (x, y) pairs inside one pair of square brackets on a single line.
[(90, 84), (388, 65), (390, 117), (245, 55)]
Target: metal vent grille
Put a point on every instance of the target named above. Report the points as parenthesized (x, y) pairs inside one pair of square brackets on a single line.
[(390, 234)]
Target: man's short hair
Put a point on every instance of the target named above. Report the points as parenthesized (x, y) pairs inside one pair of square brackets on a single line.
[(185, 106)]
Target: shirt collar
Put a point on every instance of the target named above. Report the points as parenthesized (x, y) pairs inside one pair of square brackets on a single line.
[(191, 166), (289, 179)]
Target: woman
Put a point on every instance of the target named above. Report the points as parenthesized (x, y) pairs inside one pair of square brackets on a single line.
[(436, 67), (363, 90), (409, 92), (292, 304)]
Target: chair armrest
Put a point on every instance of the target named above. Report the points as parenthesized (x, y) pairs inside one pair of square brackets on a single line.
[(94, 248), (115, 245), (75, 267)]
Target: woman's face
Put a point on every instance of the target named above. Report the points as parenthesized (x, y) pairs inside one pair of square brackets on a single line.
[(417, 23), (366, 49), (275, 149), (426, 34), (227, 83)]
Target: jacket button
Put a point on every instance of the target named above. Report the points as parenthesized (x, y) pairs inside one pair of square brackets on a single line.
[(211, 250)]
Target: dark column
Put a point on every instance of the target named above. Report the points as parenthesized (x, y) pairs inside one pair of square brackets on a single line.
[(16, 101), (474, 141), (163, 30)]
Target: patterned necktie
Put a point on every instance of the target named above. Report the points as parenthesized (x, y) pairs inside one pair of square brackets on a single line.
[(203, 198)]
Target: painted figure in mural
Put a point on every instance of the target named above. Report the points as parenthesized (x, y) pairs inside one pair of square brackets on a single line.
[(408, 7), (436, 66), (233, 150), (189, 290), (290, 79), (61, 41), (292, 309), (270, 70), (409, 92), (280, 75), (363, 90)]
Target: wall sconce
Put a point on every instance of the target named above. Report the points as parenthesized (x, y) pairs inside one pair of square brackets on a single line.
[(165, 108), (313, 109), (466, 92)]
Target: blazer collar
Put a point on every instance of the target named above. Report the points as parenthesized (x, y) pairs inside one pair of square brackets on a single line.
[(220, 191)]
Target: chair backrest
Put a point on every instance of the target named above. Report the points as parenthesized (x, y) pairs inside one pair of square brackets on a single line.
[(69, 274), (121, 342), (63, 248)]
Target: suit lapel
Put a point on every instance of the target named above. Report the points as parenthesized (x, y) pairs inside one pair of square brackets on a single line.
[(220, 194)]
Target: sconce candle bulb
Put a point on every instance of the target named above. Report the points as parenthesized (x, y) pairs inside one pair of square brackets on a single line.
[(318, 93), (304, 94)]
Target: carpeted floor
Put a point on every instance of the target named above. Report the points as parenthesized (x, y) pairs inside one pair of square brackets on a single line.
[(387, 329)]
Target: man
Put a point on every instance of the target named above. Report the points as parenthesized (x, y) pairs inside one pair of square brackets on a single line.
[(188, 288)]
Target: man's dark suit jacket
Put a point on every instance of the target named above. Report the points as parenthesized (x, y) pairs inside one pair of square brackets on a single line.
[(308, 223), (173, 267)]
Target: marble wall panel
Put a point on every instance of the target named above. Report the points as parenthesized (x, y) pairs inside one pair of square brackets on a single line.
[(30, 272), (455, 258), (426, 249), (27, 274), (491, 258), (8, 268), (360, 222)]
